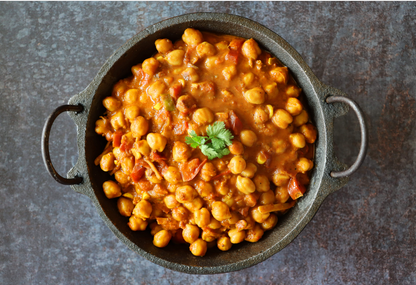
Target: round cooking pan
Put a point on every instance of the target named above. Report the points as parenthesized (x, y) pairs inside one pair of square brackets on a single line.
[(324, 104)]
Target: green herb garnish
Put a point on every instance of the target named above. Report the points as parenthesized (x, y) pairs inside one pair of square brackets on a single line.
[(215, 144)]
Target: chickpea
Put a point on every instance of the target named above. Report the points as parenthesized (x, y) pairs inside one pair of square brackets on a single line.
[(280, 179), (210, 62), (257, 216), (236, 236), (254, 234), (235, 217), (297, 140), (139, 127), (131, 96), (251, 49), (248, 138), (270, 222), (250, 170), (237, 165), (215, 225), (132, 112), (156, 141), (224, 243), (222, 188), (208, 236), (203, 116), (127, 165), (205, 49), (170, 201), (260, 116), (202, 217), (292, 91), (162, 238), (304, 165), (111, 104), (172, 175), (255, 95), (245, 185), (192, 37), (175, 57), (208, 171), (143, 209), (143, 147), (309, 131), (198, 247), (293, 106), (248, 78), (220, 211), (279, 146), (125, 206), (137, 224), (121, 177), (279, 74), (150, 66), (118, 154), (185, 194), (229, 72), (101, 127), (111, 189), (107, 162), (185, 104), (117, 121), (267, 198), (204, 188), (282, 195), (194, 205), (282, 118), (190, 233), (236, 148), (262, 183), (156, 89), (301, 119), (190, 74), (163, 45), (155, 228), (180, 214), (272, 91)]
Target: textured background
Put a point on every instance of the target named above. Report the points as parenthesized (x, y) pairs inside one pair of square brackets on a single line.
[(362, 234)]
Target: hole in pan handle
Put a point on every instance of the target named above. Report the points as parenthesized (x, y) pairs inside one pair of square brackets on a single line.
[(45, 144), (364, 136)]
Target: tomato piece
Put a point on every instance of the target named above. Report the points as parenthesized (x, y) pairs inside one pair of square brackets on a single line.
[(145, 78), (232, 56), (175, 91), (221, 174), (235, 123), (137, 173), (208, 87), (159, 158), (126, 145), (190, 169), (295, 188), (181, 128), (117, 139), (236, 44)]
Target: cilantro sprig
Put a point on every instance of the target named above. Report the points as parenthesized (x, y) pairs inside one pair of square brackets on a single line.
[(215, 144)]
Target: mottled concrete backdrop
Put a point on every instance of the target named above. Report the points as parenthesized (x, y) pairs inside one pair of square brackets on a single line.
[(362, 234)]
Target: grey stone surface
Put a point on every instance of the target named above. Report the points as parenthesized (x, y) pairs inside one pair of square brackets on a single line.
[(362, 234)]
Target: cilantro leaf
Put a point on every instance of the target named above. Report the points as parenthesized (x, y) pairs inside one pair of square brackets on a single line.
[(210, 152), (217, 143)]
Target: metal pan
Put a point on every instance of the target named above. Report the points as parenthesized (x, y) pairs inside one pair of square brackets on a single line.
[(324, 103)]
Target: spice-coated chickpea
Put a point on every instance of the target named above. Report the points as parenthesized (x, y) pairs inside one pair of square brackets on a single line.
[(250, 170), (282, 195), (267, 198), (198, 247), (180, 214), (270, 222), (236, 148), (271, 90), (132, 112), (293, 91), (254, 234), (301, 119), (215, 225), (202, 217), (304, 165), (117, 121), (220, 211), (248, 78), (262, 183), (237, 165), (163, 45), (156, 89), (236, 236), (260, 116), (125, 206), (127, 165), (293, 106), (257, 216), (111, 189), (143, 209), (101, 127), (229, 72), (170, 201), (297, 140), (190, 233), (245, 185), (279, 74), (251, 49), (137, 224), (107, 162), (111, 104), (255, 95), (248, 138), (139, 127), (185, 194), (156, 141), (309, 131), (203, 116), (181, 152), (121, 177), (280, 179), (224, 243), (162, 238), (143, 147), (205, 49), (172, 175), (194, 205), (175, 57), (208, 171), (282, 118), (192, 37), (204, 188), (279, 146), (150, 66), (155, 228), (131, 96)]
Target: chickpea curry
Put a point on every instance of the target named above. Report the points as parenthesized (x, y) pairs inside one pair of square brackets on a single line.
[(208, 142)]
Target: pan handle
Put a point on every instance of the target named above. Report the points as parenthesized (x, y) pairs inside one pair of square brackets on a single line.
[(364, 136), (45, 144)]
